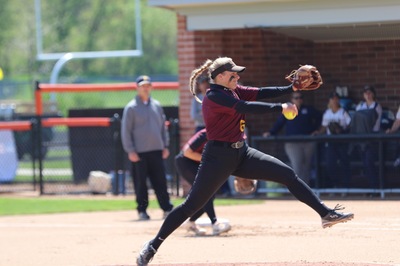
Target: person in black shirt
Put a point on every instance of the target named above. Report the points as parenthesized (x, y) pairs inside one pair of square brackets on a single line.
[(226, 152)]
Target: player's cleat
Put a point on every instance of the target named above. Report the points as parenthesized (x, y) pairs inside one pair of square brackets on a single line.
[(335, 217), (192, 227), (219, 228), (143, 216), (146, 255)]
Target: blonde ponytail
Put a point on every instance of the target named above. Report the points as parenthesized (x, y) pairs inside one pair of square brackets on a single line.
[(195, 74)]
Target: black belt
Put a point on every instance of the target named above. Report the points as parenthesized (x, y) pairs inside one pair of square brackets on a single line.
[(234, 145)]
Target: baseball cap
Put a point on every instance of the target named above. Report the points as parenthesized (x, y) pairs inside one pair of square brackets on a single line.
[(141, 80), (228, 65), (369, 88)]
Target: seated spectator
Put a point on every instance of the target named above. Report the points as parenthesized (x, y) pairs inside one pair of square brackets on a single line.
[(335, 121), (300, 154), (395, 127), (367, 119)]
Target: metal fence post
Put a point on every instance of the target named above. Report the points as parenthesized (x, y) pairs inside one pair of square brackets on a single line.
[(39, 141), (317, 159), (175, 149), (39, 144), (118, 156), (381, 167), (33, 150)]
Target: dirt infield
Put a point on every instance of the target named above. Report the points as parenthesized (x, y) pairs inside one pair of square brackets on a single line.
[(274, 233)]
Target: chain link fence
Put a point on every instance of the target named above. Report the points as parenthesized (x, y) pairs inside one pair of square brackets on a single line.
[(54, 158)]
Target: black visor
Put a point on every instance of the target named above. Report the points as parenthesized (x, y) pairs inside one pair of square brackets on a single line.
[(230, 66)]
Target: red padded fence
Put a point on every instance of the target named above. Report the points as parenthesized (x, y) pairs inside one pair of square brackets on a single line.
[(16, 125)]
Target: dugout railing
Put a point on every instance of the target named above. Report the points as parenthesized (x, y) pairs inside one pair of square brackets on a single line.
[(388, 174)]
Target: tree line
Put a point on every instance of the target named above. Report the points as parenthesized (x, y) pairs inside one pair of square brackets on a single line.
[(85, 25)]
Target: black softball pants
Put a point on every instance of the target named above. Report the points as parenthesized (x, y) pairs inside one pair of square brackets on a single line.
[(217, 164), (187, 168), (151, 165)]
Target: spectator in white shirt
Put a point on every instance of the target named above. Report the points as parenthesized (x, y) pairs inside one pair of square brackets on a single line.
[(335, 121)]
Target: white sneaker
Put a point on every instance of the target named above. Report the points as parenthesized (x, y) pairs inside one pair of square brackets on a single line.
[(192, 227), (219, 228)]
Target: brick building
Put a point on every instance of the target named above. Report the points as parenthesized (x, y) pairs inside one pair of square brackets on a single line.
[(353, 43)]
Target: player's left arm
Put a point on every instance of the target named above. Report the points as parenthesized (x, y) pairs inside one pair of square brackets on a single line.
[(256, 94), (273, 92)]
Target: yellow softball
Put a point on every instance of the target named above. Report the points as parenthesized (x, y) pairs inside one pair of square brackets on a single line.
[(289, 115)]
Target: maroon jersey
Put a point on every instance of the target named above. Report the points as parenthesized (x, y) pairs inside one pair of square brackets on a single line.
[(223, 121), (224, 109)]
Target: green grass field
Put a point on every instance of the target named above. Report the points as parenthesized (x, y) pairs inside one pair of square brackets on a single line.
[(22, 206)]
